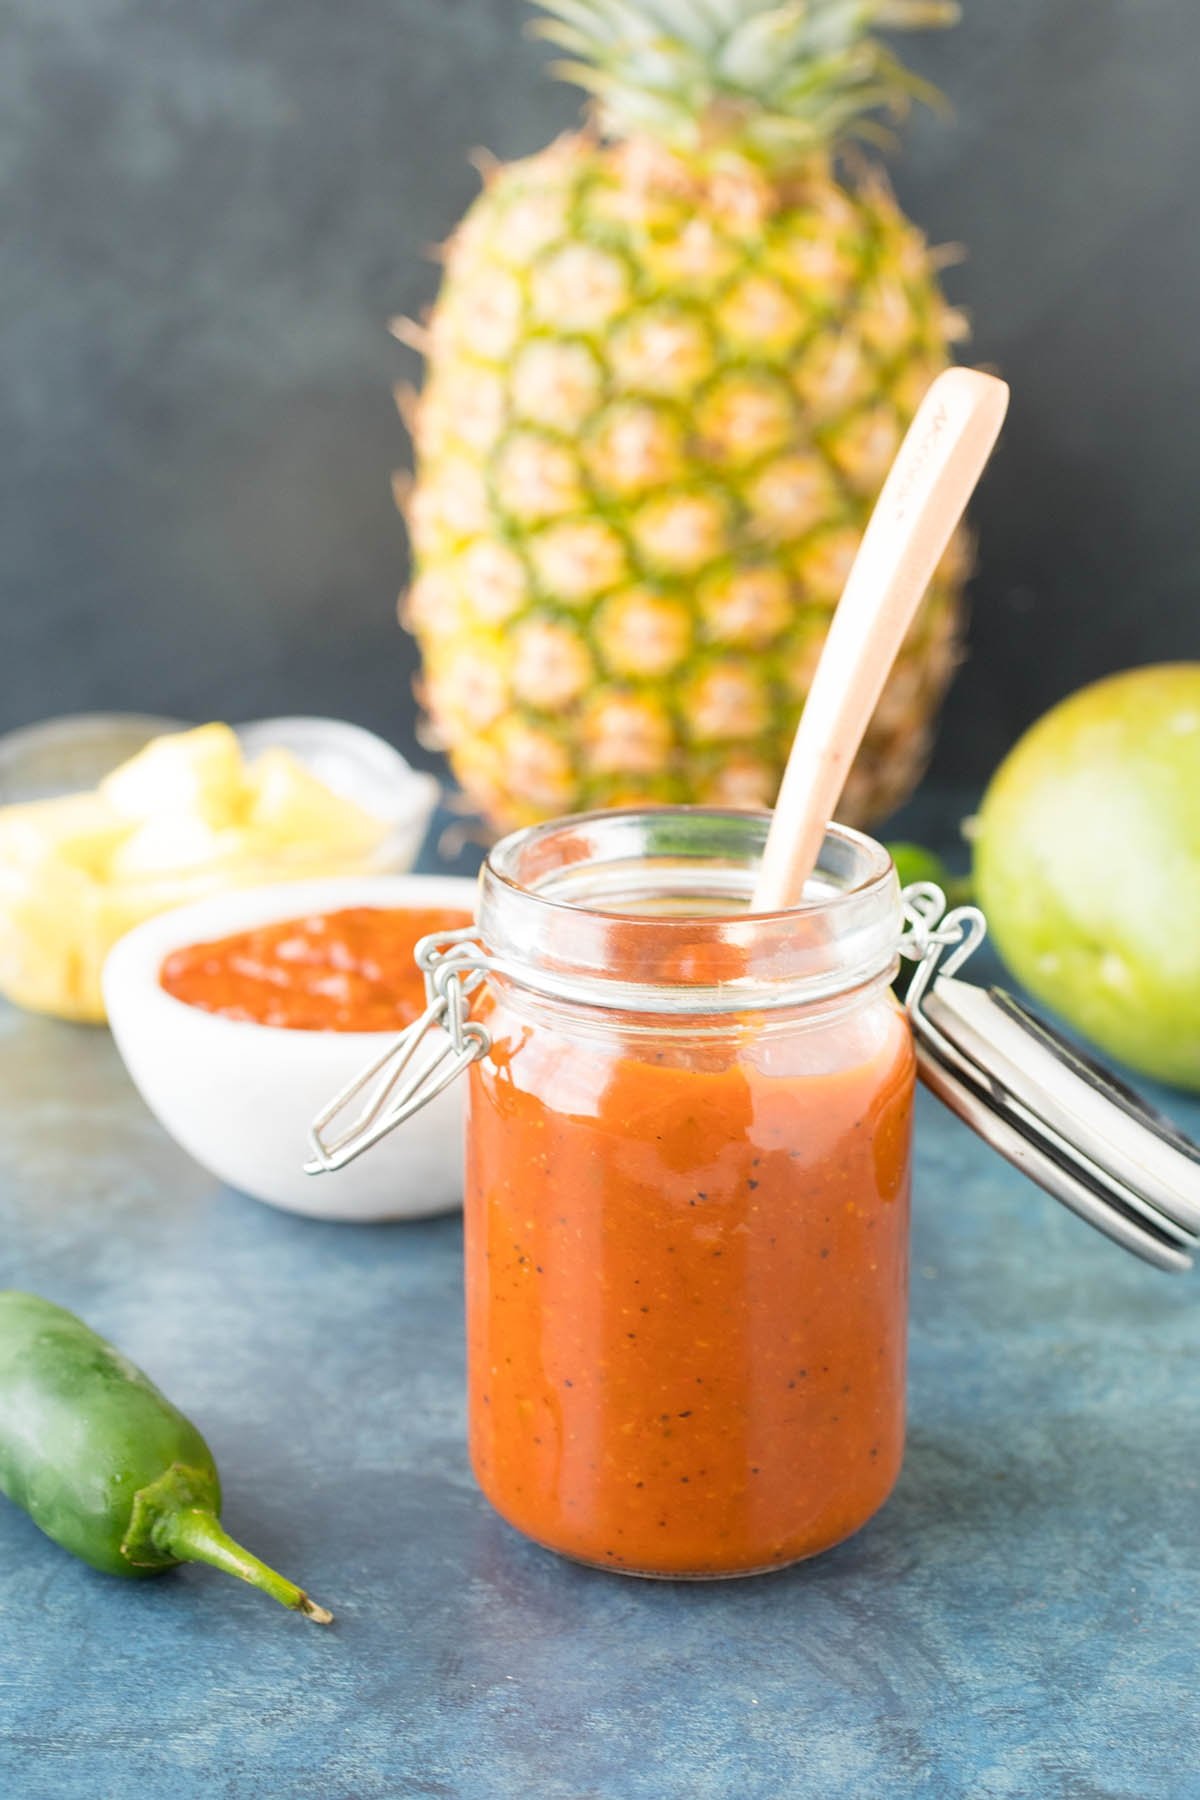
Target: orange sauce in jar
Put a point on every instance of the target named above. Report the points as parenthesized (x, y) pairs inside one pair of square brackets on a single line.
[(687, 1270), (351, 970)]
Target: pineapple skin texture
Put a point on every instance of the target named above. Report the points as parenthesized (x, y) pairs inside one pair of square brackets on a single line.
[(659, 405)]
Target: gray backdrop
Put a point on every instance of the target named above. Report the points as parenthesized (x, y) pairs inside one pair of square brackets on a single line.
[(211, 207)]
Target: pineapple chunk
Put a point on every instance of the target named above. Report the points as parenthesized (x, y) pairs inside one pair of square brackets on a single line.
[(179, 844), (291, 806), (81, 830), (199, 772), (49, 957)]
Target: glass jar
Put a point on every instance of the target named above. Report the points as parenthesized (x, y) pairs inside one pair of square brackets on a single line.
[(687, 1195), (687, 1192)]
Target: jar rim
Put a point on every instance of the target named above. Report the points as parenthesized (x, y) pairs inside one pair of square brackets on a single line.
[(548, 919), (882, 866)]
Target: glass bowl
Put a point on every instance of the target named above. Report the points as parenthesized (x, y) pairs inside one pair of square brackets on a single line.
[(58, 923)]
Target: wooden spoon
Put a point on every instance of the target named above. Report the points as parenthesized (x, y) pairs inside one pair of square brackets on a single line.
[(937, 466)]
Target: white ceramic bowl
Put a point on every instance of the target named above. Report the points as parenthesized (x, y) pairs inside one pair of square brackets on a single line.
[(240, 1097)]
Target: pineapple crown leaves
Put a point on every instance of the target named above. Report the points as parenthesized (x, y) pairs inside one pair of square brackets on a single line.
[(778, 80)]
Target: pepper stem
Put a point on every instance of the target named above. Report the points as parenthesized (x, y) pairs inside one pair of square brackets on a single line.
[(193, 1534)]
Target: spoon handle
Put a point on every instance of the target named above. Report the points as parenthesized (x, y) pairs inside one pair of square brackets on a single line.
[(937, 466)]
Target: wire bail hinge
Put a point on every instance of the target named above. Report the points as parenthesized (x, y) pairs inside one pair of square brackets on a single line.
[(400, 1082), (931, 934)]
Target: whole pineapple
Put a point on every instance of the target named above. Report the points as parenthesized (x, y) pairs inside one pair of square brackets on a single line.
[(670, 363)]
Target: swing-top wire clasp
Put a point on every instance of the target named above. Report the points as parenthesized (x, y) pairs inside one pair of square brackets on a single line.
[(431, 1052), (1033, 1095), (934, 938), (400, 1081)]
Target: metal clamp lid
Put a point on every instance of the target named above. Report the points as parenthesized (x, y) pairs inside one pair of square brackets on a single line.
[(1069, 1124)]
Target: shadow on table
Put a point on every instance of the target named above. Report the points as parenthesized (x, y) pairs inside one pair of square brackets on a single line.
[(1072, 1489)]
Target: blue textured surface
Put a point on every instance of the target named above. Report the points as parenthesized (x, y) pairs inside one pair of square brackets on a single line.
[(1021, 1621)]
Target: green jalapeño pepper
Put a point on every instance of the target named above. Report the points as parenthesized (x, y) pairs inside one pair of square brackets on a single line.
[(103, 1463)]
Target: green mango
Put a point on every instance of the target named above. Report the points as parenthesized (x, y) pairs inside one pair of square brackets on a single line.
[(1087, 864)]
